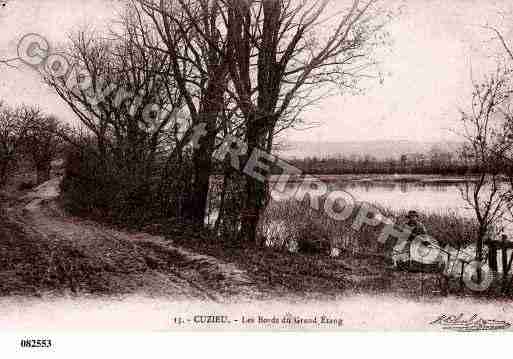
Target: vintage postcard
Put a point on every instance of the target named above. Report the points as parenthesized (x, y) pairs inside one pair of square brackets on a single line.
[(256, 165)]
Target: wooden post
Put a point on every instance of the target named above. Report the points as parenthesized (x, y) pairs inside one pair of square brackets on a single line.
[(506, 264), (492, 256), (462, 283), (507, 283), (504, 256)]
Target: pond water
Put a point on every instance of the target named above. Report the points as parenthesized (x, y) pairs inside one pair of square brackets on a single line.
[(427, 194), (428, 197)]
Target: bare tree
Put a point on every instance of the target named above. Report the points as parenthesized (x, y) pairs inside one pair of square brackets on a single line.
[(24, 130), (487, 150), (504, 42), (282, 54), (192, 34), (11, 131), (276, 56), (42, 142), (122, 95)]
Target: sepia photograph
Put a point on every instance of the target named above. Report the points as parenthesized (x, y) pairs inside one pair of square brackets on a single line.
[(255, 165)]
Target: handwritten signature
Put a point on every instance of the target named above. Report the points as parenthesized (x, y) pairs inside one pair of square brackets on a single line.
[(470, 324)]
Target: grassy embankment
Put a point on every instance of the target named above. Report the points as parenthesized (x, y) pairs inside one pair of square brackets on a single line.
[(298, 221), (362, 266), (32, 264)]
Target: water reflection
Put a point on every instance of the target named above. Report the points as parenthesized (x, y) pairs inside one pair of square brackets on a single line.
[(428, 197), (425, 197), (426, 194)]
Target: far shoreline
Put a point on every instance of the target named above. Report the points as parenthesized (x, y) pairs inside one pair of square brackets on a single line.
[(434, 179)]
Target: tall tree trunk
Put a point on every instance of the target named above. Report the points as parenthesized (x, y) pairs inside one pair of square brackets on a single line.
[(255, 190), (202, 168), (254, 204), (202, 156)]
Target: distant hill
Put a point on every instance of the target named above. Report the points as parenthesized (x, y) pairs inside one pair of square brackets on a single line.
[(378, 149)]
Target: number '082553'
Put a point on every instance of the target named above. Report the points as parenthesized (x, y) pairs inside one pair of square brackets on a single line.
[(36, 343)]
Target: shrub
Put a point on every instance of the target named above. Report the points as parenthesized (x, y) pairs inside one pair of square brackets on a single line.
[(314, 231), (129, 195)]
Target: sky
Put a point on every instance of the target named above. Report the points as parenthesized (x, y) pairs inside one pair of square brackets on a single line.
[(437, 47)]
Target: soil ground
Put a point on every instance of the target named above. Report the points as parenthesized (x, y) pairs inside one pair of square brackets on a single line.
[(46, 251)]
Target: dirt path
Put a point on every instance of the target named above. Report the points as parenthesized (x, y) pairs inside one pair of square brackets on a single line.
[(129, 262)]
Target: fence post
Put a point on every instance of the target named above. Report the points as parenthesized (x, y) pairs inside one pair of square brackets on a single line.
[(492, 256), (462, 283), (504, 256), (446, 277)]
